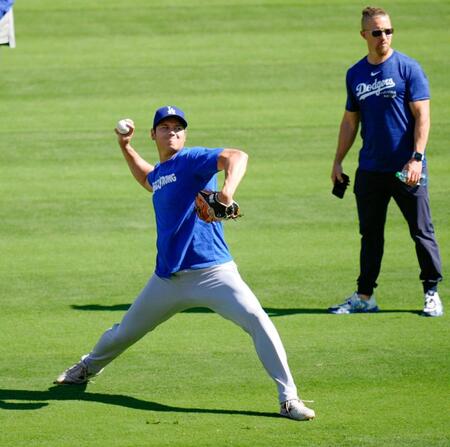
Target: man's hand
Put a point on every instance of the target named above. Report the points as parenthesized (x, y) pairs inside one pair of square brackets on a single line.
[(336, 173), (125, 139), (138, 166), (414, 169)]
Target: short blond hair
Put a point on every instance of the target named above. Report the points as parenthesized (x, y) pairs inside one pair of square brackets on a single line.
[(370, 11)]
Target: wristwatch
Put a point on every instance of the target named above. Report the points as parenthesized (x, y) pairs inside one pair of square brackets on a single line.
[(417, 156)]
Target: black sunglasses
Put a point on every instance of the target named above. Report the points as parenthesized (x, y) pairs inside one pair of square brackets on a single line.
[(379, 32)]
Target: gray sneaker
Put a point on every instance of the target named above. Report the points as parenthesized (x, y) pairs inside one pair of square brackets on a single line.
[(433, 305), (297, 410), (75, 375), (354, 304)]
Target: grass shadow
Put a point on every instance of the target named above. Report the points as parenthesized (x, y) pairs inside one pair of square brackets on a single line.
[(33, 400), (271, 311)]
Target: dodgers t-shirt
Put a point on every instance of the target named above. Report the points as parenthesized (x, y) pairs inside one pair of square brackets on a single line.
[(382, 93), (183, 240)]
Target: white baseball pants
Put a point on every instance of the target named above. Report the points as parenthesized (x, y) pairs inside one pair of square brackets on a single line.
[(219, 288)]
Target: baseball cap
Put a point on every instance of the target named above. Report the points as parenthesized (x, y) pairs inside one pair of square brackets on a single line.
[(166, 112)]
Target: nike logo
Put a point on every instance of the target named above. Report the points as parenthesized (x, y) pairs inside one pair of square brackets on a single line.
[(374, 73)]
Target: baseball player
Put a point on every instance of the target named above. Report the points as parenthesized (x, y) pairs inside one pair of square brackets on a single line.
[(194, 267)]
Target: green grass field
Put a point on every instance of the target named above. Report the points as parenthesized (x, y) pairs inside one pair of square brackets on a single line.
[(77, 239)]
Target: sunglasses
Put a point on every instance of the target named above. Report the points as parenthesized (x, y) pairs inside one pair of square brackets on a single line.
[(379, 32)]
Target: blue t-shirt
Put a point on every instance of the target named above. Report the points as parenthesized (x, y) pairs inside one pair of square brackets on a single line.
[(382, 93), (183, 240)]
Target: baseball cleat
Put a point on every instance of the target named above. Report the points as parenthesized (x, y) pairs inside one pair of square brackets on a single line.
[(75, 375), (354, 304), (433, 305), (297, 410)]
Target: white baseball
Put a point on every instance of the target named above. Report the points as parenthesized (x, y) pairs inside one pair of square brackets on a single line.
[(123, 126)]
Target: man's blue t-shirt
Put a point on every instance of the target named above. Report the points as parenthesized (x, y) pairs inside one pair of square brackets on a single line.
[(183, 240), (382, 93)]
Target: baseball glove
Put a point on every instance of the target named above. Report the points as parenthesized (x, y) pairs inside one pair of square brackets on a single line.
[(210, 209)]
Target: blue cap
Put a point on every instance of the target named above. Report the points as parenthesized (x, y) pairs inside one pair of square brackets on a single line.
[(167, 112)]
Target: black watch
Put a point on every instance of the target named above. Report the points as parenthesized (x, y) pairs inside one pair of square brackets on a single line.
[(417, 156)]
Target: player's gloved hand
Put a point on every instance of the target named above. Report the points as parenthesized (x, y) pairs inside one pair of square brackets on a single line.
[(210, 209)]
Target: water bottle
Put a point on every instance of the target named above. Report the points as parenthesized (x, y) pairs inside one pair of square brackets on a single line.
[(403, 175)]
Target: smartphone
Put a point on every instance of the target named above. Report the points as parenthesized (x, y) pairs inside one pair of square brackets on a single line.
[(339, 188)]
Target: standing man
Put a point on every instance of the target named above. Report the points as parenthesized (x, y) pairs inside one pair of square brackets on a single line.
[(194, 267), (388, 93)]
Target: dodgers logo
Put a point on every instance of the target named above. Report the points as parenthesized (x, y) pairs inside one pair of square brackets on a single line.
[(364, 90), (171, 110)]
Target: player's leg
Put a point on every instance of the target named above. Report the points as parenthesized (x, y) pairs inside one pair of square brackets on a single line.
[(157, 302), (372, 198), (372, 194), (223, 290), (415, 207)]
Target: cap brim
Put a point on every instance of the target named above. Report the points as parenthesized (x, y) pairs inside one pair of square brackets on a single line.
[(171, 116)]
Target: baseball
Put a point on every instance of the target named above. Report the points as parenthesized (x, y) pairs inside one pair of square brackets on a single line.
[(123, 126)]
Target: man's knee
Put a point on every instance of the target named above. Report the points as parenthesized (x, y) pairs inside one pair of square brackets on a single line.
[(255, 318)]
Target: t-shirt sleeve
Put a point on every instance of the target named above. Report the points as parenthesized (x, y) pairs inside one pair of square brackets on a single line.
[(418, 88), (203, 161), (352, 104)]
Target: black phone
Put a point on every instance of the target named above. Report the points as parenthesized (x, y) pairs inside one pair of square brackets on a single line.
[(339, 188)]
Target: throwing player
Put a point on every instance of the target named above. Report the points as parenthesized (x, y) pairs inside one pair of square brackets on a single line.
[(194, 267)]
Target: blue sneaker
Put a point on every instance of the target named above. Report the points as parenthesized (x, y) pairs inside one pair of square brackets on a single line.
[(355, 304)]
